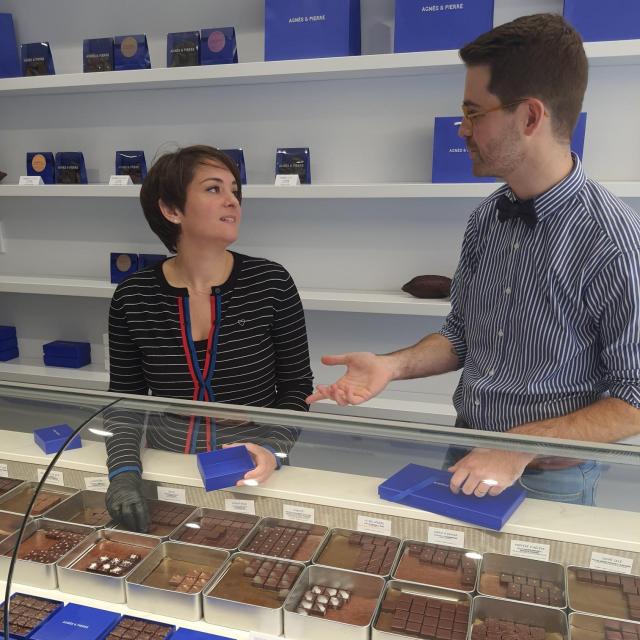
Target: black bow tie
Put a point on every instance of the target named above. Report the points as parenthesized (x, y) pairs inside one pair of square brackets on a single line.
[(525, 209)]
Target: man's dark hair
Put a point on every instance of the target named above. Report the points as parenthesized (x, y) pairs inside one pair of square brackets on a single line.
[(539, 56), (168, 180)]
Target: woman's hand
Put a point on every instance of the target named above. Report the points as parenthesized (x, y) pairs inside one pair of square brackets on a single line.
[(264, 460)]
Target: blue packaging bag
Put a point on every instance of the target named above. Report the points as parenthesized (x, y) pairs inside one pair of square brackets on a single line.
[(294, 160), (97, 55), (237, 155), (611, 20), (183, 49), (37, 59), (131, 52), (43, 164), (218, 46), (70, 168)]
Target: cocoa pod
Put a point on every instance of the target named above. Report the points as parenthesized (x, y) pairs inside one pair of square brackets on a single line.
[(428, 287)]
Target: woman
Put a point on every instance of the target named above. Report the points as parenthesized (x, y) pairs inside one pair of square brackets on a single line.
[(208, 324)]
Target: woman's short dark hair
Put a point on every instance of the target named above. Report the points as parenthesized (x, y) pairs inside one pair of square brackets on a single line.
[(168, 180)]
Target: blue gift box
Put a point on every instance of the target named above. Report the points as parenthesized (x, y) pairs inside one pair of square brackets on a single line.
[(183, 49), (64, 353), (149, 259), (131, 52), (42, 164), (8, 343), (37, 59), (17, 636), (123, 265), (169, 628), (577, 139), (51, 439), (218, 46), (76, 622), (9, 354), (9, 59), (224, 467), (451, 160), (189, 634), (613, 20), (296, 29), (437, 26), (237, 155), (70, 168), (97, 55), (7, 332), (294, 160), (428, 489)]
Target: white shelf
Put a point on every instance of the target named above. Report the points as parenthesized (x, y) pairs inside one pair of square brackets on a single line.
[(416, 190), (32, 370), (312, 299), (253, 73)]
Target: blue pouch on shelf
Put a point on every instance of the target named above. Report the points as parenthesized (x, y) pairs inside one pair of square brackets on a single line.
[(37, 59), (131, 163), (295, 160), (149, 259), (237, 155), (57, 606), (9, 59), (218, 46), (131, 52), (296, 29), (577, 139), (8, 343), (42, 164), (438, 26), (11, 353), (428, 489), (51, 439), (65, 353), (613, 20), (451, 161), (224, 467), (70, 168), (123, 265), (189, 634), (8, 332), (77, 622), (97, 55), (183, 49)]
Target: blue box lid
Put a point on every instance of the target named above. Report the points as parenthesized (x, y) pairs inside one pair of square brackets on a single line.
[(189, 634), (76, 622), (224, 467), (7, 332), (51, 439), (428, 489)]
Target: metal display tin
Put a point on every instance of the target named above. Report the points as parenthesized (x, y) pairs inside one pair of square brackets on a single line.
[(301, 627), (73, 509), (553, 620), (93, 585), (17, 500), (164, 532), (9, 484), (241, 615), (496, 563), (317, 530), (155, 599), (9, 523), (404, 549), (584, 626), (449, 595), (36, 574), (347, 532), (193, 522)]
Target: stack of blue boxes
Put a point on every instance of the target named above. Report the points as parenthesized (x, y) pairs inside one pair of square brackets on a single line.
[(63, 353), (8, 344)]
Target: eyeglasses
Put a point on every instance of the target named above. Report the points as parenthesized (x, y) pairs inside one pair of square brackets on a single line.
[(470, 117)]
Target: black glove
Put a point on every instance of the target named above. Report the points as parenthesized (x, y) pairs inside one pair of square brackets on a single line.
[(125, 502)]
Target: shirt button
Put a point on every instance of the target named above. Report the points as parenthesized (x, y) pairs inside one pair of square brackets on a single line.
[(516, 245), (500, 333), (507, 291), (491, 372), (476, 402), (217, 290)]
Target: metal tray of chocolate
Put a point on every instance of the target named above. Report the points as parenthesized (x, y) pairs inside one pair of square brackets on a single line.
[(585, 626), (9, 523), (410, 610), (172, 578), (97, 568), (165, 518), (17, 500), (332, 603), (85, 507), (250, 591), (44, 542)]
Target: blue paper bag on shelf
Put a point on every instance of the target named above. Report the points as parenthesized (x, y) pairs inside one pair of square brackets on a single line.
[(9, 59), (37, 59), (296, 29), (122, 265), (428, 489), (237, 155), (42, 164), (435, 26), (577, 139), (224, 467), (218, 46), (97, 55), (451, 161), (51, 439), (612, 20), (149, 259), (131, 52)]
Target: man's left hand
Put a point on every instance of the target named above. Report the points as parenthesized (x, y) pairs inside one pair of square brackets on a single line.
[(488, 471)]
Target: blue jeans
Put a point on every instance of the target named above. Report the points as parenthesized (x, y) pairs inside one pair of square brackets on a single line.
[(572, 485)]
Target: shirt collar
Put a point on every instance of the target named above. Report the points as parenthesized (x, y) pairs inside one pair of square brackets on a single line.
[(553, 200)]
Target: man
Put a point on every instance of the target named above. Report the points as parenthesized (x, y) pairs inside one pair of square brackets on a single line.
[(545, 318)]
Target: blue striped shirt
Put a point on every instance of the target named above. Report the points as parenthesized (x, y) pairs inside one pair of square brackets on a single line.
[(547, 320)]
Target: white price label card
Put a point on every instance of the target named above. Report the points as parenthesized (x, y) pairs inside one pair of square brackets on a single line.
[(374, 525), (170, 494), (299, 514), (258, 635), (100, 483), (4, 471), (54, 477), (241, 506), (535, 550), (120, 181), (449, 537), (30, 181), (287, 180), (606, 562)]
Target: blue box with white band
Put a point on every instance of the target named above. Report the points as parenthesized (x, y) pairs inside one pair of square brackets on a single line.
[(51, 439), (615, 20), (224, 467), (77, 622), (438, 26), (428, 489)]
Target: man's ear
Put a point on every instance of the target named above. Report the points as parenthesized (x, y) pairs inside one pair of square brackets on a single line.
[(536, 113), (169, 213)]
